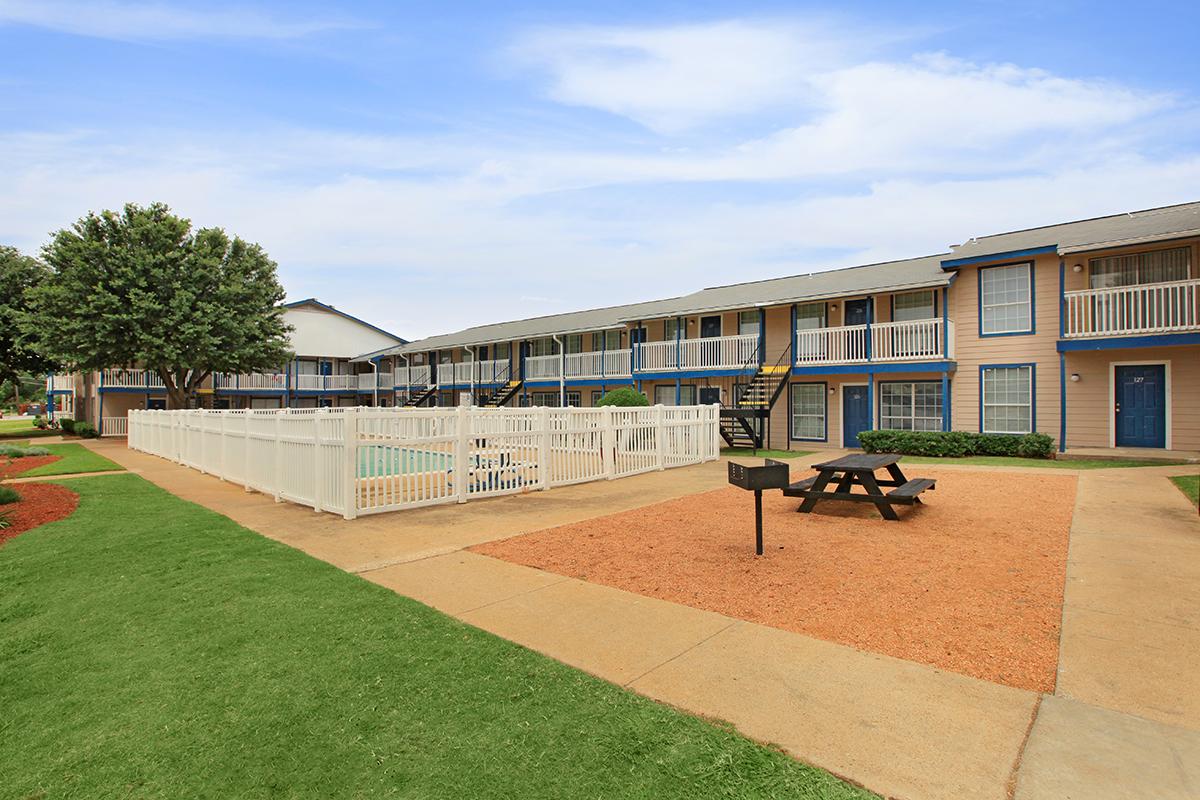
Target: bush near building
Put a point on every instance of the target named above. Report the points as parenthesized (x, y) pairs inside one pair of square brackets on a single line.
[(957, 444)]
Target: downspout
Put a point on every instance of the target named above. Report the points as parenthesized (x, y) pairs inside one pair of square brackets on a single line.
[(375, 381), (679, 323), (100, 405), (562, 369), (407, 377), (1062, 357)]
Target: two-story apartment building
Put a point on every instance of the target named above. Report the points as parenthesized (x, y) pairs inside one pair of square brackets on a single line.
[(1088, 331), (321, 374)]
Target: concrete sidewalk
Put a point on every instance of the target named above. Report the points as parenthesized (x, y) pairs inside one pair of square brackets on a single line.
[(900, 728)]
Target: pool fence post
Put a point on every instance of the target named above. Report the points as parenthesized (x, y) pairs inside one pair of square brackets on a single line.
[(349, 463), (543, 418), (318, 473), (608, 443), (659, 437), (277, 465), (462, 469)]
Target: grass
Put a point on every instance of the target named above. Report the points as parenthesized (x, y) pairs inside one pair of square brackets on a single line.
[(154, 649), (1190, 486), (734, 452), (22, 429), (75, 458), (1047, 463)]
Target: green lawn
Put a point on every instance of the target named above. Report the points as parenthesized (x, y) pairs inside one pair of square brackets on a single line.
[(153, 649), (75, 458), (22, 429), (1048, 463), (1189, 485), (734, 452)]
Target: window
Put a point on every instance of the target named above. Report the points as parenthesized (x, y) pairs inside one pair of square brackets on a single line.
[(913, 305), (915, 406), (665, 395), (500, 351), (573, 342), (670, 328), (810, 316), (1006, 299), (550, 399), (543, 347), (596, 395), (606, 340), (1158, 266), (1007, 399), (808, 411), (749, 322)]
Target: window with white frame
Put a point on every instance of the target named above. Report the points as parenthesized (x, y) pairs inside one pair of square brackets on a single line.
[(749, 322), (913, 305), (810, 316), (543, 347), (910, 406), (1156, 266), (1007, 399), (573, 342), (606, 340), (1006, 299), (671, 328), (808, 410)]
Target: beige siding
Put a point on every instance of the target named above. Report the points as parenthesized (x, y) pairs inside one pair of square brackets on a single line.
[(972, 350), (1090, 401)]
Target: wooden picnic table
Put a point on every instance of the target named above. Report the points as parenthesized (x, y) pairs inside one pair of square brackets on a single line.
[(859, 470)]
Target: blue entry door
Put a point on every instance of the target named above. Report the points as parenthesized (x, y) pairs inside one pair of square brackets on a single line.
[(856, 414), (1141, 405), (858, 312)]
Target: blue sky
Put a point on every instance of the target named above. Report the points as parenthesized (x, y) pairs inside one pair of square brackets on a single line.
[(429, 166)]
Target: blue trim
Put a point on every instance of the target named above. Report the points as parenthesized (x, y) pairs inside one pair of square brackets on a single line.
[(824, 399), (1032, 300), (945, 401), (1032, 394), (1116, 343), (312, 301), (1062, 297), (866, 369), (871, 399), (133, 389), (1062, 402), (951, 263), (762, 335), (793, 335), (945, 322)]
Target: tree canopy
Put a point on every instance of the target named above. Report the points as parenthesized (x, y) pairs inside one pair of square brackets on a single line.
[(18, 349), (140, 287)]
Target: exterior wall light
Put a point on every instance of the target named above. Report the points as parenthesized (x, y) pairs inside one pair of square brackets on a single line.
[(1074, 377), (1077, 268), (832, 391)]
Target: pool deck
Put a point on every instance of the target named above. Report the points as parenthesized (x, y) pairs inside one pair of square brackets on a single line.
[(1124, 720)]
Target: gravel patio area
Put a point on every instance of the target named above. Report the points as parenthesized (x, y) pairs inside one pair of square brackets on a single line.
[(970, 581)]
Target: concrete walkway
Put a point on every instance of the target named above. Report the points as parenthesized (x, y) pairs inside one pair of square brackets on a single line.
[(1123, 723)]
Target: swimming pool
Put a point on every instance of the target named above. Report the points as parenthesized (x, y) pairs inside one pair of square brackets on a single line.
[(377, 462)]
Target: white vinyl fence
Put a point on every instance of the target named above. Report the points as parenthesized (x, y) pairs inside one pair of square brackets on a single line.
[(356, 461)]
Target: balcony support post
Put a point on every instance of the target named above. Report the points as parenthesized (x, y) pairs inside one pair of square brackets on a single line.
[(1062, 402), (945, 323), (562, 370), (762, 336), (1062, 297), (945, 400)]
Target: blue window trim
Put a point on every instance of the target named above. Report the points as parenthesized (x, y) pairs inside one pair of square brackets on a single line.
[(951, 263), (1032, 300), (1032, 394), (825, 412), (936, 380)]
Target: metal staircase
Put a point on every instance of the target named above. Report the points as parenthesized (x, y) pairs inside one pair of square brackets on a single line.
[(755, 403), (421, 396), (501, 395)]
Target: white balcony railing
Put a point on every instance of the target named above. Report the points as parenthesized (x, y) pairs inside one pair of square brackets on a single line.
[(327, 383), (417, 375), (713, 352), (916, 340), (114, 426), (1148, 308), (585, 366), (252, 381), (60, 383), (130, 379)]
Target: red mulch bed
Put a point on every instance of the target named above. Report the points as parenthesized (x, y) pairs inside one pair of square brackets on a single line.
[(13, 467), (40, 503), (972, 581)]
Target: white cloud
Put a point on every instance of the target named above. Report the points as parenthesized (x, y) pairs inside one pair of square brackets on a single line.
[(153, 21), (673, 78)]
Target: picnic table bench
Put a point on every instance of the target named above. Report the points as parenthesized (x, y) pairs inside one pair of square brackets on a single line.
[(859, 470)]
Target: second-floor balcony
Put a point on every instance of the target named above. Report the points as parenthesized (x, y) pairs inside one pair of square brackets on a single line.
[(595, 365), (370, 381), (464, 373), (120, 378), (916, 340), (1148, 308), (327, 383), (60, 383), (705, 353), (251, 382), (417, 375)]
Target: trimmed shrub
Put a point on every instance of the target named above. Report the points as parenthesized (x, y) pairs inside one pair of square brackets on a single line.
[(67, 424), (86, 430), (17, 451), (8, 495), (40, 423), (625, 397), (957, 444)]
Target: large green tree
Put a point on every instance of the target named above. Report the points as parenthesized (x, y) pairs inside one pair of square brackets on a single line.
[(19, 354), (141, 287)]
